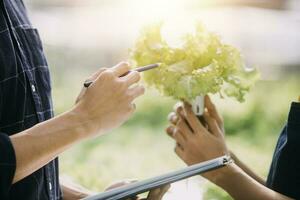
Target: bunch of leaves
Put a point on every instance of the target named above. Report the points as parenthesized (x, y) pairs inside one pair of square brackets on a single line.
[(201, 65)]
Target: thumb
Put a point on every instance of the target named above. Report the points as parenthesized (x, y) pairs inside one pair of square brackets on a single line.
[(158, 193), (92, 78), (212, 125)]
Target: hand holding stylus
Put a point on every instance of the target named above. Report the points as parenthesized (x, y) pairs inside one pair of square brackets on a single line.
[(106, 101)]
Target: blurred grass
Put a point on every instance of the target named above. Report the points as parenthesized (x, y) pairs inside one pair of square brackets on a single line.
[(140, 148)]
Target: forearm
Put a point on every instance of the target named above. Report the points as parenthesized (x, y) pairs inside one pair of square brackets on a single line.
[(246, 169), (40, 144), (94, 113), (243, 187)]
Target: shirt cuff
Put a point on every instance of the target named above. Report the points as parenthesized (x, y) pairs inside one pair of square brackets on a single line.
[(7, 165)]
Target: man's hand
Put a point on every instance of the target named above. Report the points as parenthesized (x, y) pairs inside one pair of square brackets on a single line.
[(155, 194), (108, 101)]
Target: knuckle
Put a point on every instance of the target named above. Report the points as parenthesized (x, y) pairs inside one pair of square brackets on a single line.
[(178, 104), (122, 82), (124, 64), (136, 75), (142, 88), (107, 74), (139, 90), (168, 130), (180, 123), (121, 85), (176, 130), (179, 109)]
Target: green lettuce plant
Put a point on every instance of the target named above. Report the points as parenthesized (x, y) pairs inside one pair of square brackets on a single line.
[(203, 64)]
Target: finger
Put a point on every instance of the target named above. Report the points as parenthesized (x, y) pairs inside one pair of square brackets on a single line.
[(164, 190), (170, 131), (182, 116), (131, 108), (92, 78), (82, 92), (121, 69), (213, 110), (134, 198), (192, 119), (179, 152), (120, 184), (173, 118), (131, 78), (154, 194), (95, 75), (178, 104), (184, 129), (179, 145), (212, 125), (135, 92), (157, 194), (177, 135)]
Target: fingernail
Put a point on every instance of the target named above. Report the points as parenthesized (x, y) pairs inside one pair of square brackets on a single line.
[(179, 109), (170, 129), (170, 116), (175, 130), (173, 118)]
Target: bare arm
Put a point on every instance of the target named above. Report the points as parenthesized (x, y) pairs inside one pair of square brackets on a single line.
[(40, 144), (246, 169), (243, 187), (106, 104), (73, 191)]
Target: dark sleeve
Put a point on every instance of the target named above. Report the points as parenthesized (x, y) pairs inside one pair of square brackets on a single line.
[(7, 165), (284, 176)]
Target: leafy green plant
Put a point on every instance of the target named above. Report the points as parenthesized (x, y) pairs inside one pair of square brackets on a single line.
[(202, 65)]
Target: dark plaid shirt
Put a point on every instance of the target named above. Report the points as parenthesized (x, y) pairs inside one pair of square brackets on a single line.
[(25, 100)]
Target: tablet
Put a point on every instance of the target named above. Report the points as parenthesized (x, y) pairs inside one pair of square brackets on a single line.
[(139, 187)]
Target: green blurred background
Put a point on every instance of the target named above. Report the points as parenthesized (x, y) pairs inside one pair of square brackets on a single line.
[(81, 36)]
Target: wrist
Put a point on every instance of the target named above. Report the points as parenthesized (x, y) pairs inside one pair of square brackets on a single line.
[(226, 173), (80, 123), (232, 155)]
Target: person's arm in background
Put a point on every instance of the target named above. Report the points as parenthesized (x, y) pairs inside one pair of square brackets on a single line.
[(106, 104), (195, 144), (246, 169), (73, 191)]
